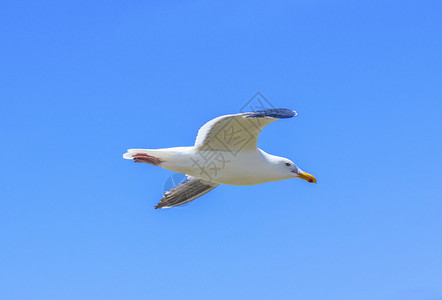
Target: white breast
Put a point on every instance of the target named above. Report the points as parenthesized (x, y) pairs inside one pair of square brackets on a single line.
[(244, 168)]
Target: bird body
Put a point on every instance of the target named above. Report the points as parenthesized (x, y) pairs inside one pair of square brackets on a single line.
[(245, 168), (225, 152)]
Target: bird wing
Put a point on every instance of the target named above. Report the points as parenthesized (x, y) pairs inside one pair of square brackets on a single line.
[(186, 191), (238, 132)]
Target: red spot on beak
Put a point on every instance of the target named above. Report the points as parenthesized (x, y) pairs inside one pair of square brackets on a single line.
[(310, 180)]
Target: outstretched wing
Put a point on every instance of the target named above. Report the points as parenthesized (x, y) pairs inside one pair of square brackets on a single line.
[(186, 191), (238, 132)]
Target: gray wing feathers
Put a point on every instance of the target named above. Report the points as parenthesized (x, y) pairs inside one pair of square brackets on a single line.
[(188, 190)]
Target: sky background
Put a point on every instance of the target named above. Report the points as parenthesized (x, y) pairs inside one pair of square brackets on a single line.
[(82, 81)]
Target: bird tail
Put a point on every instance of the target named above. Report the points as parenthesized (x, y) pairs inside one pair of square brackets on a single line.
[(131, 152), (163, 154)]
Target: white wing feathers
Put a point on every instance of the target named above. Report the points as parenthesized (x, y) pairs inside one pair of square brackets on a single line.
[(237, 132)]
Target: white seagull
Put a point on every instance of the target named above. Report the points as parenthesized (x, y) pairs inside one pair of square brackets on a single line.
[(225, 152)]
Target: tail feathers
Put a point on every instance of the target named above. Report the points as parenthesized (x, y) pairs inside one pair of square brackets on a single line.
[(131, 152), (163, 154)]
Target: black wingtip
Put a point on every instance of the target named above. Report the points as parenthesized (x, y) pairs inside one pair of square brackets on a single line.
[(278, 113)]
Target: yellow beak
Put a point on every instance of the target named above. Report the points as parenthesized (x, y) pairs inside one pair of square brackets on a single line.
[(306, 176)]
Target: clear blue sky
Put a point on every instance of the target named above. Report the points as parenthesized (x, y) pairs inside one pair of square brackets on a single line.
[(82, 81)]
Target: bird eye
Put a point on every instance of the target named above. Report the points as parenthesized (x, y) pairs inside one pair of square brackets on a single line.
[(288, 164)]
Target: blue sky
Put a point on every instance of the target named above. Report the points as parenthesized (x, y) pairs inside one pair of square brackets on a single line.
[(82, 81)]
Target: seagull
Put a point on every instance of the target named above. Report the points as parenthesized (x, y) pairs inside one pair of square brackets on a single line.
[(225, 152)]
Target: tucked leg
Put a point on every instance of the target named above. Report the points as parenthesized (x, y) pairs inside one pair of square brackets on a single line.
[(144, 158)]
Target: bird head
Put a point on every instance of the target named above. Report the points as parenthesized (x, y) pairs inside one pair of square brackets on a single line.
[(297, 172)]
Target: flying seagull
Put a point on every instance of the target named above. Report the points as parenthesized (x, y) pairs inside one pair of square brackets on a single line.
[(225, 152)]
